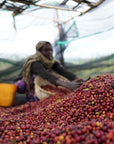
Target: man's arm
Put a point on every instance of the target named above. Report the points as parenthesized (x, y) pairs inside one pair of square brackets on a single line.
[(62, 71), (37, 68)]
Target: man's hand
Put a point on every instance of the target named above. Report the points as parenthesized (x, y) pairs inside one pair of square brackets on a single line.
[(74, 85), (69, 85)]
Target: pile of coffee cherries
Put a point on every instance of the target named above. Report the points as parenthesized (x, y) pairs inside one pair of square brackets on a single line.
[(84, 116)]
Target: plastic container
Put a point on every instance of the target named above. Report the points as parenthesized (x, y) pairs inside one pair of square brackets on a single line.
[(7, 94)]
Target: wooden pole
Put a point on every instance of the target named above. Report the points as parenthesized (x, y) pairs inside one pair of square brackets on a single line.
[(59, 29), (58, 25), (53, 7), (81, 13)]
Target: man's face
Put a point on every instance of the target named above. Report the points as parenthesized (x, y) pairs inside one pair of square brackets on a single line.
[(47, 51)]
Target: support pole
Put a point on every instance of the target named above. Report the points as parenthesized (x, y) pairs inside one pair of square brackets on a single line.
[(61, 58)]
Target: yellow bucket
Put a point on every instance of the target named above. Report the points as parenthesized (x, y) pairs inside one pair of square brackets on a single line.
[(7, 94)]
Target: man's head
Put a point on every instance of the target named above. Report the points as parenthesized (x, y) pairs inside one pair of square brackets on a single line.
[(45, 48)]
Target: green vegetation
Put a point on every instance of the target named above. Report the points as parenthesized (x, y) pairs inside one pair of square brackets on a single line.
[(95, 71), (92, 67)]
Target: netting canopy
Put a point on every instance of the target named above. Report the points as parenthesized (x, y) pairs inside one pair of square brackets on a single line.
[(60, 22)]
